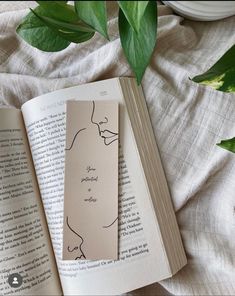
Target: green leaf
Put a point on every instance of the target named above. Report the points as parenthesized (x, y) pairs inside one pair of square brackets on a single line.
[(37, 34), (94, 14), (228, 144), (138, 47), (67, 31), (133, 11), (59, 10), (221, 75)]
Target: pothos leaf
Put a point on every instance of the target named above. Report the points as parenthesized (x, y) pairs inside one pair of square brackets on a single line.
[(37, 34), (94, 14), (221, 75), (228, 144), (67, 31), (138, 46), (59, 10), (133, 11), (63, 13)]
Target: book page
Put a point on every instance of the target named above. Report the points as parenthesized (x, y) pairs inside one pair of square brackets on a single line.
[(142, 258), (27, 264)]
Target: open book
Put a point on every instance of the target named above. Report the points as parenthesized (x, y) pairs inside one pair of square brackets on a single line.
[(32, 150)]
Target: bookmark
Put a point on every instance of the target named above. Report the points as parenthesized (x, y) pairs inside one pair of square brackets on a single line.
[(91, 181)]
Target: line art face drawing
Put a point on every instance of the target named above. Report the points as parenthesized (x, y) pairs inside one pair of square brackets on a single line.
[(108, 136), (75, 248)]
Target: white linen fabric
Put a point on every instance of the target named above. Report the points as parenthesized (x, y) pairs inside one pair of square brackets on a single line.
[(188, 121)]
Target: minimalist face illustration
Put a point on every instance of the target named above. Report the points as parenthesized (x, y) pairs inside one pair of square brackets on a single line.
[(75, 243), (104, 124)]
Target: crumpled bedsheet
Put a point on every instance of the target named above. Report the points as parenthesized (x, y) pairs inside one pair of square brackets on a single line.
[(188, 121)]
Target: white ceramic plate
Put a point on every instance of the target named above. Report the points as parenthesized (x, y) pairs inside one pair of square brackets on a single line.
[(203, 10)]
